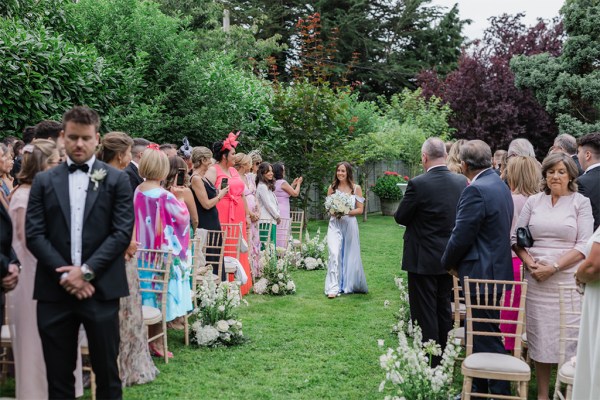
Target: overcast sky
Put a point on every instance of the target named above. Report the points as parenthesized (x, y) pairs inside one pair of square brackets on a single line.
[(480, 10)]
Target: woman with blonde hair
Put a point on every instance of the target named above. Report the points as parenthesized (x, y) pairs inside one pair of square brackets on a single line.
[(243, 164), (30, 367), (115, 150), (453, 160), (524, 176), (162, 222)]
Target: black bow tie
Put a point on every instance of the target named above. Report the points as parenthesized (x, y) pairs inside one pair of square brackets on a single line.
[(83, 167)]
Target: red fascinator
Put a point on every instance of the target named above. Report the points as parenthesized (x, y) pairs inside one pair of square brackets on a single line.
[(230, 142), (153, 146)]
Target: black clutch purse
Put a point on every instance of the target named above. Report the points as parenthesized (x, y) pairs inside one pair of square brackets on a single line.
[(524, 238)]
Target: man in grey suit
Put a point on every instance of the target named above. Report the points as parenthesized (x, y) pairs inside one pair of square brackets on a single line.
[(429, 219), (589, 183), (479, 246)]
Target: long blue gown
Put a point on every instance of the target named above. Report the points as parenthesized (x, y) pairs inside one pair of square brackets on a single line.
[(345, 273)]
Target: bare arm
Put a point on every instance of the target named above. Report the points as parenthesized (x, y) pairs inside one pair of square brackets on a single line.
[(200, 191), (191, 205), (293, 189), (589, 270), (359, 205)]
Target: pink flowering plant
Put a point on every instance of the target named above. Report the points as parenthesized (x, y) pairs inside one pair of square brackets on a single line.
[(386, 186)]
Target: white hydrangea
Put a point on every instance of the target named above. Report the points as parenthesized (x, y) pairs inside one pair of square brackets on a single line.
[(310, 263), (205, 335), (260, 287), (275, 288), (291, 286), (222, 326)]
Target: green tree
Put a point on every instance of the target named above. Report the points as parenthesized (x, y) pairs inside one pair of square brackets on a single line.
[(394, 40), (568, 85), (42, 75)]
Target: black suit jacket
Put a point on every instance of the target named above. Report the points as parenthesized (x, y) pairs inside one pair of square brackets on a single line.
[(589, 186), (576, 159), (134, 176), (428, 211), (479, 246), (107, 228)]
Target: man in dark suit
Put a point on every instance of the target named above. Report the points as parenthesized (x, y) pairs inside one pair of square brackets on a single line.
[(567, 144), (479, 246), (137, 150), (9, 265), (79, 223), (589, 182), (429, 218)]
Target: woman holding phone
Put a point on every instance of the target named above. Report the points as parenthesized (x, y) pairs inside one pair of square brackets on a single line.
[(232, 207)]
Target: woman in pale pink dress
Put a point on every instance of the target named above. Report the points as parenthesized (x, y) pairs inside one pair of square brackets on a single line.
[(30, 368), (243, 165), (283, 192), (253, 205), (560, 221)]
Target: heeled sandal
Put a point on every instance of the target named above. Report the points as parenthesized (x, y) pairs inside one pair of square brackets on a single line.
[(155, 352)]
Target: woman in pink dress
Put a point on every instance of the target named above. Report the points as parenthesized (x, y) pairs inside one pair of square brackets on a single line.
[(30, 368), (243, 165), (560, 221), (523, 174), (232, 207), (283, 192)]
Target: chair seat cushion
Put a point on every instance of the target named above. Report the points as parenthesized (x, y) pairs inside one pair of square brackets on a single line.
[(296, 243), (566, 373), (151, 315), (5, 333), (495, 362)]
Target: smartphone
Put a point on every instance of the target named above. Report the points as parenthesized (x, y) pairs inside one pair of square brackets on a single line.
[(181, 177), (224, 183)]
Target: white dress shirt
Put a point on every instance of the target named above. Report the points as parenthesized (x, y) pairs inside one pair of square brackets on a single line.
[(591, 167), (78, 186)]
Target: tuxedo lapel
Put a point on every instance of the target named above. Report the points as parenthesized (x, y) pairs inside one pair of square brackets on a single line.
[(60, 181), (92, 194)]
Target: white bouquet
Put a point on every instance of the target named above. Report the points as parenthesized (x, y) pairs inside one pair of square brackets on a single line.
[(338, 204)]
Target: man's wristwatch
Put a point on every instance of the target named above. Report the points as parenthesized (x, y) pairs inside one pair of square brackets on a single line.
[(88, 273)]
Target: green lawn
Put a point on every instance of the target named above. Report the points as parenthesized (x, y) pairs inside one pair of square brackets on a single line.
[(303, 346)]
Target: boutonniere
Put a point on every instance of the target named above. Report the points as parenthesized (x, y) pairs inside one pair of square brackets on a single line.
[(97, 176)]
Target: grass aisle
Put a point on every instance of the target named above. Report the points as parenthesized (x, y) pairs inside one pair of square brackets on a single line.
[(303, 346)]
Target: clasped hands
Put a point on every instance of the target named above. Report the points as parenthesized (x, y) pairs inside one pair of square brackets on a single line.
[(74, 283), (541, 271), (9, 282)]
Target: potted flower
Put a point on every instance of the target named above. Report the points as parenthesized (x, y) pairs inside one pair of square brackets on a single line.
[(389, 192)]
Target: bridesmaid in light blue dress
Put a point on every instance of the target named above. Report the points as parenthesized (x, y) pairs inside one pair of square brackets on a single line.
[(345, 273)]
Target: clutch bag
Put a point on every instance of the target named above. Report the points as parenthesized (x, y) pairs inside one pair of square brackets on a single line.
[(524, 238)]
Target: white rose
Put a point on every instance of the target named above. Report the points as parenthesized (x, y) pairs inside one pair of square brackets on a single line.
[(291, 286), (280, 276), (275, 288), (222, 326), (221, 308)]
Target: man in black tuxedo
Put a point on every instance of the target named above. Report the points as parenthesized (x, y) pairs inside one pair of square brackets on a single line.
[(79, 223), (137, 150), (479, 246), (9, 265), (589, 182), (428, 211)]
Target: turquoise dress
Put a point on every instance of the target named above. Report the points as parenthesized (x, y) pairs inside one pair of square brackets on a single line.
[(163, 223)]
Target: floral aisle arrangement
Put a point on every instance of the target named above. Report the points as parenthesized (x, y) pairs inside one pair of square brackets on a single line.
[(338, 204), (275, 279), (408, 372), (386, 186), (217, 323), (313, 254)]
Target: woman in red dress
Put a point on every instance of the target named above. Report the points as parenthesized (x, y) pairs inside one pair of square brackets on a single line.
[(232, 207)]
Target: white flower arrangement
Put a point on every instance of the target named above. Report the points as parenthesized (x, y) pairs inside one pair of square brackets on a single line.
[(276, 279), (338, 204), (97, 176), (408, 373), (313, 253), (217, 323)]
